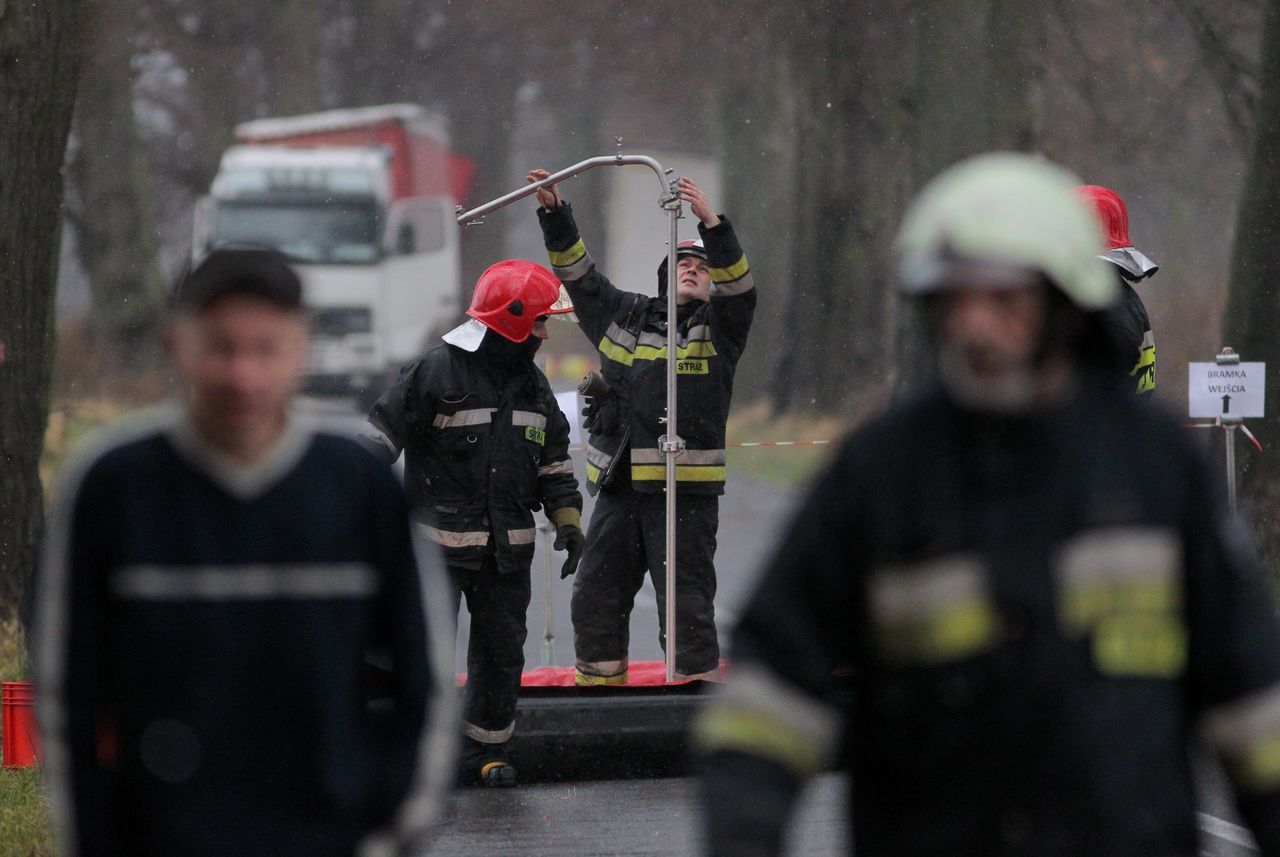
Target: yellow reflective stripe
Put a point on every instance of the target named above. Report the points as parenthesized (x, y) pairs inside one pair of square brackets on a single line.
[(1246, 733), (593, 473), (1257, 769), (582, 679), (957, 631), (598, 457), (1145, 370), (754, 732), (565, 258), (615, 352), (733, 272), (684, 473), (1138, 644)]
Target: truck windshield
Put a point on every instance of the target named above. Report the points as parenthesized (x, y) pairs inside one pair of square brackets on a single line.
[(328, 232)]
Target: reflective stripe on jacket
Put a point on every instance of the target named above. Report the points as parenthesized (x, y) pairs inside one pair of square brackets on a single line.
[(481, 452), (630, 332)]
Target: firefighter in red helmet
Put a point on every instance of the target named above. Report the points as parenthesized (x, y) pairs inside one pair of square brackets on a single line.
[(1129, 322), (485, 444)]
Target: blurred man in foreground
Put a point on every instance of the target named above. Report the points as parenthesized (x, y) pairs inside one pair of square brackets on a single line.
[(1027, 575), (213, 579), (485, 445)]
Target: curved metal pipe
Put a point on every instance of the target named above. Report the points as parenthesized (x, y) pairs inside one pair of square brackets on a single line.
[(567, 173)]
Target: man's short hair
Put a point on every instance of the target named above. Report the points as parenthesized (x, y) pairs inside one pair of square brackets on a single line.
[(261, 272)]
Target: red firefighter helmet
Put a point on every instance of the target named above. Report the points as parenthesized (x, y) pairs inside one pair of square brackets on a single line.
[(1112, 214), (511, 295), (1113, 219)]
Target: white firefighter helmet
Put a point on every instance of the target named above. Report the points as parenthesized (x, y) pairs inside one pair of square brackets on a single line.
[(993, 218)]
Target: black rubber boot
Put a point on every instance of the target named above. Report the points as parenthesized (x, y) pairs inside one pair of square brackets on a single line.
[(486, 765)]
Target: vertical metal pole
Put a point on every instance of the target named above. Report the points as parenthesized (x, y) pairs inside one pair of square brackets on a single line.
[(548, 633), (672, 443), (1229, 357), (1231, 465)]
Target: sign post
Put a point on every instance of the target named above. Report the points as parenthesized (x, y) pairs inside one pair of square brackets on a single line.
[(1227, 390)]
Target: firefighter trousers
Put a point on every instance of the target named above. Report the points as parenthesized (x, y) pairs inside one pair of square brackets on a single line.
[(625, 540), (497, 604)]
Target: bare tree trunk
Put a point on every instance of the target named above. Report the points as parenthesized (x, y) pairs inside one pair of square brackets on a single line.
[(848, 182), (1254, 300), (756, 143), (291, 57), (979, 67), (115, 231), (38, 50)]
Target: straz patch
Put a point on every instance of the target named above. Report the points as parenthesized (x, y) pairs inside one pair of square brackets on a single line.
[(692, 367), (933, 612), (1123, 590), (535, 434)]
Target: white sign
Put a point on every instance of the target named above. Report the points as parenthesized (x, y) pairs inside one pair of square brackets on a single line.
[(1226, 390)]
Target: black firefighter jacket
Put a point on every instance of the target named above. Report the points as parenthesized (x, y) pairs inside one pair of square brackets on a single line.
[(485, 446), (1039, 616), (630, 332)]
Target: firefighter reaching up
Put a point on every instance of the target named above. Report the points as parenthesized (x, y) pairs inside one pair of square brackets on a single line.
[(625, 465), (1029, 577), (486, 444)]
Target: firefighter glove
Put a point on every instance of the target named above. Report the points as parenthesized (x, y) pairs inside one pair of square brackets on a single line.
[(600, 416), (569, 538)]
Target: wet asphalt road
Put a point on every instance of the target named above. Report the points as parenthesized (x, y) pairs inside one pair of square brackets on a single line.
[(659, 818), (626, 817)]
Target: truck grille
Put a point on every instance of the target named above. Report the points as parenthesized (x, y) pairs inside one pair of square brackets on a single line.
[(340, 321)]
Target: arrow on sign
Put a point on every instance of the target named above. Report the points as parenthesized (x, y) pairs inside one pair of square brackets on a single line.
[(1226, 404)]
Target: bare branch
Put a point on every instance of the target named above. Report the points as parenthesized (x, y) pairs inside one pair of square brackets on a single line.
[(1235, 74)]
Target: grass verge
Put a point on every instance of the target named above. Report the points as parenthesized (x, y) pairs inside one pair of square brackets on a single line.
[(25, 829)]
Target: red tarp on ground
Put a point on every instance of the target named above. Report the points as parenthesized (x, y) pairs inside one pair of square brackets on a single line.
[(639, 673)]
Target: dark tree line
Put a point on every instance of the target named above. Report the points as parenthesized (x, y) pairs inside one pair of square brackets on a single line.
[(824, 117)]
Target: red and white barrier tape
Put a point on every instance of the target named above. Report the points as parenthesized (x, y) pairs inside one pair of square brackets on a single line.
[(1218, 424)]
